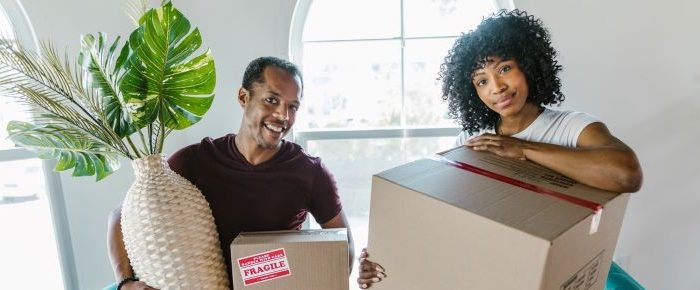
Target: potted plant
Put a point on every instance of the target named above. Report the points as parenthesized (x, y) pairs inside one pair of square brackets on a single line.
[(124, 100)]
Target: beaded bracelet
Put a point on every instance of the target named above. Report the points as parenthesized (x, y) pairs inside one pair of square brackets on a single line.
[(126, 280)]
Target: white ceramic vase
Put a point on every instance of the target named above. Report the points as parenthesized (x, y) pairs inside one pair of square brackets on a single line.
[(169, 230)]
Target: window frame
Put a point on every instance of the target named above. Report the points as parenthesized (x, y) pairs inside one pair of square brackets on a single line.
[(24, 33), (295, 55), (296, 43)]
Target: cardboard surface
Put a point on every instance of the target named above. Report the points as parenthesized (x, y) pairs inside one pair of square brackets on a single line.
[(281, 260), (468, 231)]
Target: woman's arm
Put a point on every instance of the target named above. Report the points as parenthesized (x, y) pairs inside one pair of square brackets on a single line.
[(599, 159)]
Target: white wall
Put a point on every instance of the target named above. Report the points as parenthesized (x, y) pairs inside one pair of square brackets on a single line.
[(635, 64), (632, 63)]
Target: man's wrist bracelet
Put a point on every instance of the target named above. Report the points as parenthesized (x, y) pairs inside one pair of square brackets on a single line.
[(126, 280)]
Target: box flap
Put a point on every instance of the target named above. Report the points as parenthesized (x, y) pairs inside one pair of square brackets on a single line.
[(539, 214), (293, 236)]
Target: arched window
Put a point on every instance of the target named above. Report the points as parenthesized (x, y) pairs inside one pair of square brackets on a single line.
[(372, 99), (35, 245)]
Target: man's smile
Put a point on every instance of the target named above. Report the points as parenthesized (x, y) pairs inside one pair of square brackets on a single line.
[(275, 127)]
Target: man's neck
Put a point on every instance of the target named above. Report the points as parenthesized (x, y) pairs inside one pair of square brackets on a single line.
[(251, 151)]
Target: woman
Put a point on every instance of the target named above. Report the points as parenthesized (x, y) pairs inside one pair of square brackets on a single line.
[(497, 80)]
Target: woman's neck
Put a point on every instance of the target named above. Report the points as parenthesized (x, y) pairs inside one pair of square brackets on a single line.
[(512, 125)]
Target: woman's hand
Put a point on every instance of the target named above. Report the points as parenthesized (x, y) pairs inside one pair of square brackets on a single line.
[(500, 145)]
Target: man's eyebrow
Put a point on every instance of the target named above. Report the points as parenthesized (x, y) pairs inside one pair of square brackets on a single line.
[(273, 92)]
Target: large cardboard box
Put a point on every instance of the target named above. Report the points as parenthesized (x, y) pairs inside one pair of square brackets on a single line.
[(473, 220), (281, 260)]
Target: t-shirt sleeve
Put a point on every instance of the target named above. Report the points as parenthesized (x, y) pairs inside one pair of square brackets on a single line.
[(578, 121), (180, 162), (325, 201)]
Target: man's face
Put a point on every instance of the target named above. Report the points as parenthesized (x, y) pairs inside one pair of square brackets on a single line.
[(270, 107)]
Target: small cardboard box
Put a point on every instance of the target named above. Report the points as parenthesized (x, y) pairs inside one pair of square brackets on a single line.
[(280, 260), (474, 220)]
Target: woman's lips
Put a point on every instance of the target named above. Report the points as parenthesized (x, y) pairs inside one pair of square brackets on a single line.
[(505, 101)]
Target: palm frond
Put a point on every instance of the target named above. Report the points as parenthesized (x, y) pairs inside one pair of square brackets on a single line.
[(47, 84), (34, 71), (51, 112), (45, 74)]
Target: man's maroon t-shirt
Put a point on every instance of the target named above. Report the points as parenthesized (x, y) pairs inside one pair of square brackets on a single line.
[(274, 195)]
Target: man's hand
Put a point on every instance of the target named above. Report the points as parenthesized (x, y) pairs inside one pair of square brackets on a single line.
[(501, 145), (136, 285), (370, 272)]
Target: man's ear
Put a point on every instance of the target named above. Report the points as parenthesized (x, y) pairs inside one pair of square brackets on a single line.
[(243, 95)]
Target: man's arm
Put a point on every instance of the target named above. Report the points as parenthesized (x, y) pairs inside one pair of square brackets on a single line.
[(117, 252), (599, 160), (370, 272), (339, 221)]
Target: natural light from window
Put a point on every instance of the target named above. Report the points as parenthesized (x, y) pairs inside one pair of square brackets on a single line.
[(372, 100), (28, 248)]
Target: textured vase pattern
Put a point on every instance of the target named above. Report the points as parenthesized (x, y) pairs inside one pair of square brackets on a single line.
[(169, 230)]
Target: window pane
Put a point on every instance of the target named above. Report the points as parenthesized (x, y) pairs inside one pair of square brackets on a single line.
[(353, 84), (28, 247), (370, 156), (357, 19), (5, 25), (9, 110), (424, 105), (443, 17)]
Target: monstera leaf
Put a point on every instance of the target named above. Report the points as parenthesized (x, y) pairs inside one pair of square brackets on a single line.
[(163, 82), (99, 66), (70, 147)]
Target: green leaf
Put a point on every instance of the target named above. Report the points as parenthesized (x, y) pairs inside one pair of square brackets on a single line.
[(160, 82), (96, 61), (86, 156)]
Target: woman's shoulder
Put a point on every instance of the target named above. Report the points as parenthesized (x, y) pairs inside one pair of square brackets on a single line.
[(567, 115)]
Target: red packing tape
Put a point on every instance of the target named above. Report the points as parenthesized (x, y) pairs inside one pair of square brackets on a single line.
[(471, 168)]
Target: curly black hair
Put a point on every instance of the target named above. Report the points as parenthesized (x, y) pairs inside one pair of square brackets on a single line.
[(508, 35)]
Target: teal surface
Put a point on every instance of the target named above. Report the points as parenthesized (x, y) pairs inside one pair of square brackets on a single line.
[(618, 279)]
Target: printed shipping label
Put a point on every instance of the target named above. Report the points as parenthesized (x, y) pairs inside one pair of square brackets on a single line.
[(264, 266), (586, 276)]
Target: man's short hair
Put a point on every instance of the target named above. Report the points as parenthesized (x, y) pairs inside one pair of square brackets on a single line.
[(254, 71)]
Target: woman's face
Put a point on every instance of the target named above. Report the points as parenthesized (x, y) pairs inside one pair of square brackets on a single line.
[(501, 85)]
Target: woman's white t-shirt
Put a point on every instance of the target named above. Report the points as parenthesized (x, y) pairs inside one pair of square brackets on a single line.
[(551, 126)]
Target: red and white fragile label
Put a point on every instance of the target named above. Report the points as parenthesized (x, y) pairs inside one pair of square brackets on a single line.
[(264, 266)]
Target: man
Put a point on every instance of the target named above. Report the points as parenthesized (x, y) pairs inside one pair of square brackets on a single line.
[(255, 180)]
